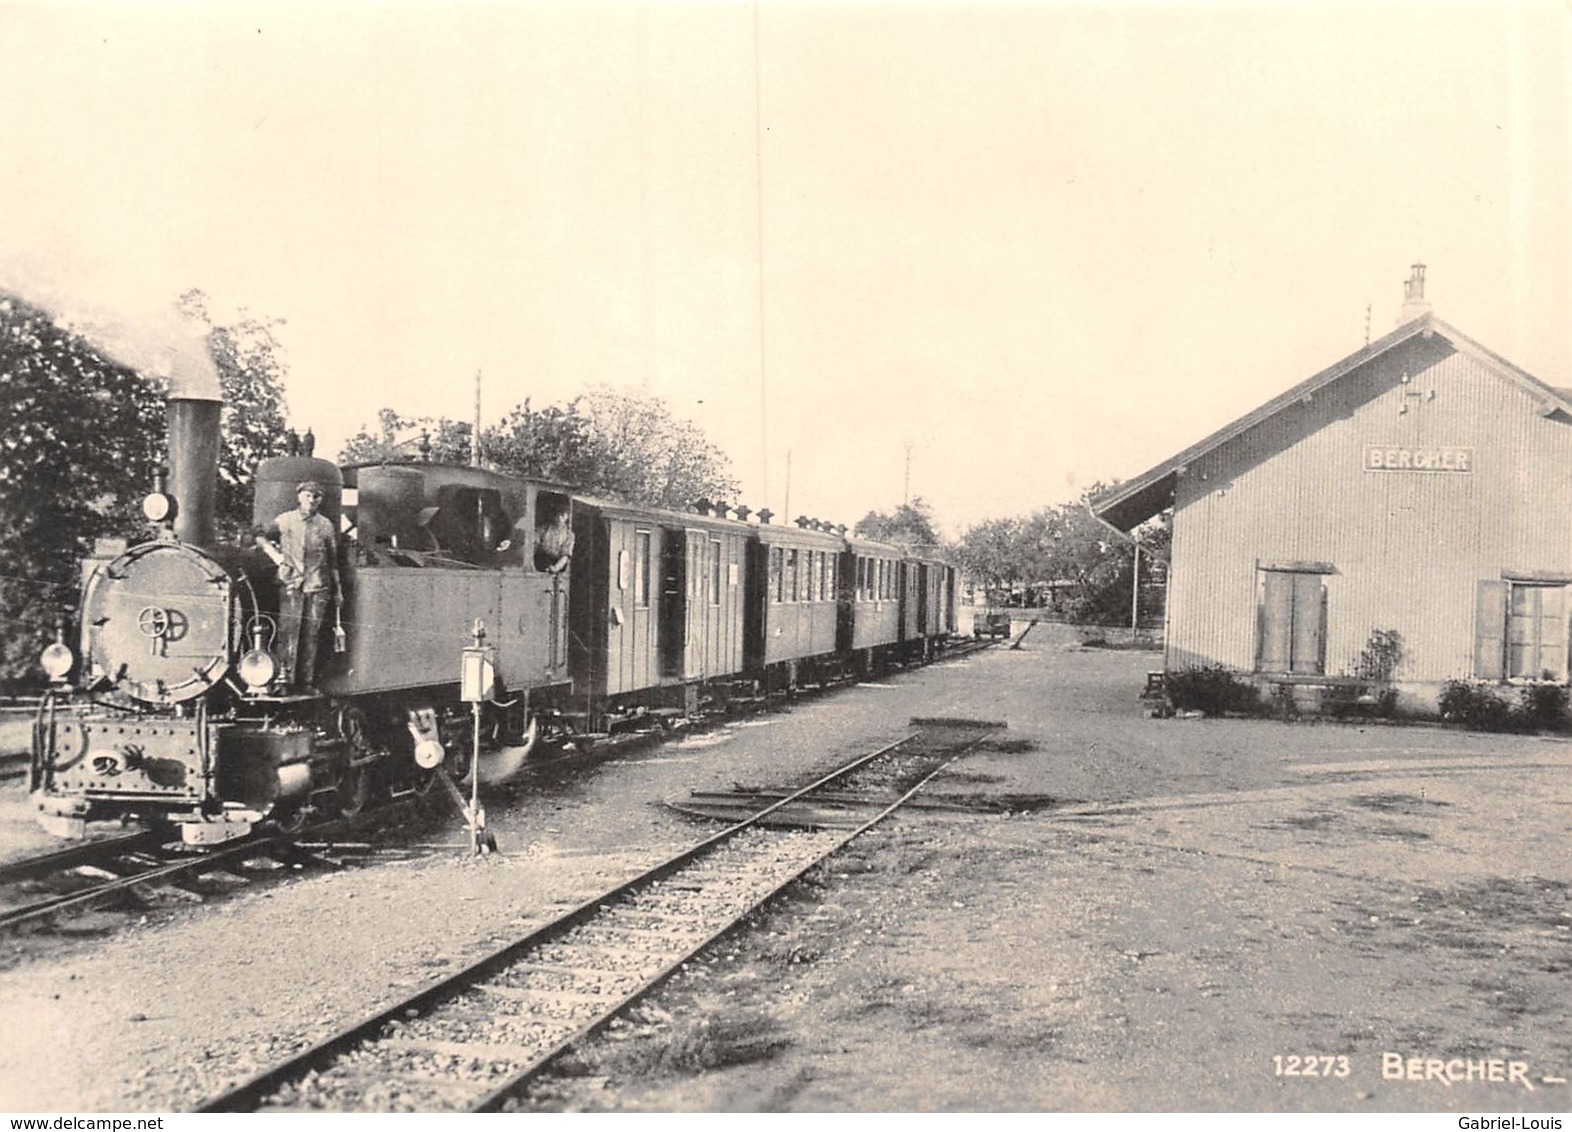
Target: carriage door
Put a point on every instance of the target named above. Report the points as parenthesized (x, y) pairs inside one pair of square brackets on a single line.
[(673, 608), (698, 613)]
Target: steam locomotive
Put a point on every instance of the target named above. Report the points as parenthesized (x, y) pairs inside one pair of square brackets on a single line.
[(171, 711)]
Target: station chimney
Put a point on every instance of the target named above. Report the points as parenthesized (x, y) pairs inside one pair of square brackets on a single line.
[(1414, 303)]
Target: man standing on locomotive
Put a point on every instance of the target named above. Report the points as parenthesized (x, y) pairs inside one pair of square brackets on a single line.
[(305, 548)]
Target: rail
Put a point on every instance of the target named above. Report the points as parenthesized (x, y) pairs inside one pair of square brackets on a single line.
[(538, 997)]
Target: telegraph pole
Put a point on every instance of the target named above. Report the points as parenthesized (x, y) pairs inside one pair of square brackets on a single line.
[(474, 437), (1135, 589)]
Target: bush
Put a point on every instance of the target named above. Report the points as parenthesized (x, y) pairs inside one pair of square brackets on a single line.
[(1479, 707), (1382, 656), (1212, 689), (1543, 707), (1476, 706)]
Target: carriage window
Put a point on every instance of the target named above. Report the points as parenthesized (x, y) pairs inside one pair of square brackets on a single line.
[(641, 569), (776, 574), (715, 571), (791, 575)]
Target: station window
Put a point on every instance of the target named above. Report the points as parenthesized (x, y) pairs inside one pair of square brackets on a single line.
[(641, 570), (1521, 630)]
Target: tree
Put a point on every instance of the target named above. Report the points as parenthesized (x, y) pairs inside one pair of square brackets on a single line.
[(437, 439), (555, 443), (992, 552), (653, 457), (82, 438), (251, 374), (1070, 559), (910, 525), (622, 445)]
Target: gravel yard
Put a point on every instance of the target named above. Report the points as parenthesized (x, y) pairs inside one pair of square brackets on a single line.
[(1117, 913)]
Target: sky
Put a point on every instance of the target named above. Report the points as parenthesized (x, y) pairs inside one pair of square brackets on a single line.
[(985, 255)]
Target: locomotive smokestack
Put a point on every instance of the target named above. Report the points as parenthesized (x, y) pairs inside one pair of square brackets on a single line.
[(195, 402), (193, 467)]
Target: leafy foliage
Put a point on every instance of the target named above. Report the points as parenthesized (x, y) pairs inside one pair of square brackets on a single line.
[(1382, 656), (910, 524), (1212, 689), (1480, 707), (622, 445), (81, 440), (84, 436), (994, 553), (652, 456), (1543, 707), (1475, 706), (1068, 560)]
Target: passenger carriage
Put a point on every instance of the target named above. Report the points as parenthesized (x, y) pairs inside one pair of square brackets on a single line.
[(796, 574), (870, 625), (658, 609)]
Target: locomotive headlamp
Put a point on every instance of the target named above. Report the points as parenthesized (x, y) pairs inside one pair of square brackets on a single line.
[(257, 669), (57, 660), (158, 507)]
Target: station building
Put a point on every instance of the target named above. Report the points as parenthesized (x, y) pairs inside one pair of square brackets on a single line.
[(1419, 486)]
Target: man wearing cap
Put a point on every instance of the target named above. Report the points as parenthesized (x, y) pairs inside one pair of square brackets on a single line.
[(304, 546)]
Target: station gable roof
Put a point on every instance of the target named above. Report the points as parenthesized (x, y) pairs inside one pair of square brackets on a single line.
[(1135, 501)]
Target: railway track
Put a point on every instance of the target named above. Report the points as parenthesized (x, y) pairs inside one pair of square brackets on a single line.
[(94, 873), (102, 871), (474, 1040)]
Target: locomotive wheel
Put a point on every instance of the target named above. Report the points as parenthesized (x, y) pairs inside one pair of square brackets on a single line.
[(354, 786), (291, 821), (354, 789)]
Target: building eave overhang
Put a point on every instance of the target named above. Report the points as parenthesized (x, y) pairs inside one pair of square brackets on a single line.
[(1135, 501)]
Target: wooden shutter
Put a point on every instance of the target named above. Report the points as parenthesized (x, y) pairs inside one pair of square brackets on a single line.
[(1490, 630), (1309, 623), (1277, 620)]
